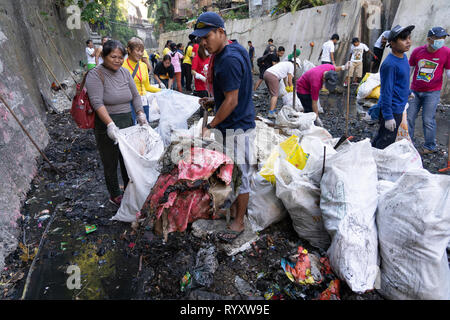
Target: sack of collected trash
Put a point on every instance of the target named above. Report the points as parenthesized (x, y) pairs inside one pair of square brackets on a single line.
[(141, 147), (301, 198), (396, 159), (153, 108), (290, 150), (175, 109), (348, 201), (290, 118), (264, 208), (413, 223), (288, 96), (403, 132), (369, 88), (265, 138)]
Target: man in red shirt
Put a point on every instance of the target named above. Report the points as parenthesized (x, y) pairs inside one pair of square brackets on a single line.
[(428, 63)]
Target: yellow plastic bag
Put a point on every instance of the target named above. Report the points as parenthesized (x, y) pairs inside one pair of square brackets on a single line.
[(375, 94), (362, 81), (293, 153)]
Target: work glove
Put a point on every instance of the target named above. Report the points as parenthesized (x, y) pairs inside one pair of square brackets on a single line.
[(162, 86), (318, 122), (201, 77), (142, 119), (112, 131), (290, 88), (346, 66), (390, 125)]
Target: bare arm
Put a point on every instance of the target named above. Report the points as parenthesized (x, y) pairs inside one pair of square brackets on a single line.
[(170, 83), (289, 77), (104, 115), (315, 108), (332, 58)]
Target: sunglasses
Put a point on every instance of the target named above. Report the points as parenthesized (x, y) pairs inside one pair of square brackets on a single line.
[(203, 25)]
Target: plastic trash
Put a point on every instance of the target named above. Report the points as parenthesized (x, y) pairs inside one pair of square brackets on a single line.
[(205, 266), (91, 228), (348, 201), (369, 88), (413, 223), (185, 281)]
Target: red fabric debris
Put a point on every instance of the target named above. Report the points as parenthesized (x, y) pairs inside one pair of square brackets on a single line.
[(186, 205), (332, 292)]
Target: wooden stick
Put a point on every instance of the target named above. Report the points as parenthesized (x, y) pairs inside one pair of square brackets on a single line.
[(293, 78), (54, 46), (348, 102), (59, 84), (26, 132)]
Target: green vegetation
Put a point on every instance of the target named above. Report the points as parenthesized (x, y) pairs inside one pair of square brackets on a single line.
[(294, 5)]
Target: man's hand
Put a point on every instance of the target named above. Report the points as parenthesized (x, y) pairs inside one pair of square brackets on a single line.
[(318, 122), (112, 131), (390, 125), (142, 119), (200, 77), (206, 132), (206, 103), (162, 85)]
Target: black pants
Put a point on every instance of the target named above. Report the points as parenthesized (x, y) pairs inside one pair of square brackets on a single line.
[(385, 137), (110, 153), (326, 62), (306, 101), (376, 63), (186, 75)]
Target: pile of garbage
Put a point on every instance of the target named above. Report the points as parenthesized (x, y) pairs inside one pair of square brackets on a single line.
[(378, 214)]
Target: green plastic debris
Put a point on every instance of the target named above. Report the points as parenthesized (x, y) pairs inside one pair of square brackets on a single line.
[(63, 246), (185, 281), (91, 228)]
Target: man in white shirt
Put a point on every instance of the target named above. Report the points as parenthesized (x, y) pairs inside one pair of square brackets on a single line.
[(378, 49), (356, 68), (99, 51), (90, 55), (327, 53), (282, 70)]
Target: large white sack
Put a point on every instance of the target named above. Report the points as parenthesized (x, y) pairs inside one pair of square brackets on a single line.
[(301, 198), (175, 109), (287, 97), (314, 147), (348, 202), (396, 159), (414, 229), (153, 108), (366, 88), (266, 138), (264, 208), (141, 147)]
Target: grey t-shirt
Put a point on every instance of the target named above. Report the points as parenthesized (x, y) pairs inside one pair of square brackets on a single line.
[(117, 92)]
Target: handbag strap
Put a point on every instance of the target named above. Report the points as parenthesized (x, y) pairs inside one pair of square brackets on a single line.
[(100, 74), (135, 70)]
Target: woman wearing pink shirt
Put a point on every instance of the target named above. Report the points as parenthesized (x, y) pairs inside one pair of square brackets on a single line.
[(175, 55), (309, 84)]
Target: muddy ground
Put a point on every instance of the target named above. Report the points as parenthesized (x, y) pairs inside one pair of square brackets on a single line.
[(66, 203)]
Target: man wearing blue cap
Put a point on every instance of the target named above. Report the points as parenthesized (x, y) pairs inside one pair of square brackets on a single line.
[(394, 91), (428, 63), (231, 77)]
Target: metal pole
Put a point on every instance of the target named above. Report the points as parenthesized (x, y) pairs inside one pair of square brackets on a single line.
[(293, 78), (48, 68), (54, 46), (26, 132)]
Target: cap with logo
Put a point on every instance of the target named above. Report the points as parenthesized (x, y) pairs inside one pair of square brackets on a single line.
[(437, 32), (206, 22)]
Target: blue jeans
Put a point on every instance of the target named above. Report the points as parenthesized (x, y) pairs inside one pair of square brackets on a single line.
[(133, 113), (428, 101)]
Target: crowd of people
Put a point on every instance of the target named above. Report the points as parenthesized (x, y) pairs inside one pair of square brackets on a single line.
[(120, 77)]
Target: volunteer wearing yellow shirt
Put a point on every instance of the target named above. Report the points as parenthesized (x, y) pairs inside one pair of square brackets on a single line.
[(186, 67), (135, 50), (166, 49), (145, 59)]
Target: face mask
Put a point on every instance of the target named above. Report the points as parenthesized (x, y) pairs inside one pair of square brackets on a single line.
[(438, 44)]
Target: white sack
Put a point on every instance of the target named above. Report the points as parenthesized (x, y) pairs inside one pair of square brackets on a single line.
[(414, 229), (175, 109), (396, 159), (314, 146), (153, 111), (141, 147), (348, 202), (264, 208), (301, 199), (366, 88)]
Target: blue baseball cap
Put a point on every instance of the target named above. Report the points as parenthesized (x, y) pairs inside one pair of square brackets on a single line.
[(437, 32), (206, 22)]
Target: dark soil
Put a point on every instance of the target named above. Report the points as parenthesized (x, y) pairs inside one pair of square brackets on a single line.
[(77, 197)]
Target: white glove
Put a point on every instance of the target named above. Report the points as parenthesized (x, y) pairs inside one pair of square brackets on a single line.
[(347, 65), (390, 125), (199, 76), (161, 85), (112, 131), (142, 119), (318, 122)]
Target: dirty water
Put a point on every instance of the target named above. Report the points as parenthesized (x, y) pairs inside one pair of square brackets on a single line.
[(110, 267)]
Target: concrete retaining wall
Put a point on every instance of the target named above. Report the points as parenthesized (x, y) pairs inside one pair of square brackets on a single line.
[(22, 77)]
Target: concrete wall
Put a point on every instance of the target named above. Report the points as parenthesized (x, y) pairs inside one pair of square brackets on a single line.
[(22, 76), (425, 15)]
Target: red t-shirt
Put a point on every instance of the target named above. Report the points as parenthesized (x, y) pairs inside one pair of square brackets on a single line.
[(195, 48), (429, 68), (311, 81), (198, 65)]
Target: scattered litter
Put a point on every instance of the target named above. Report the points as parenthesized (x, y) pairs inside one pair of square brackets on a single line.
[(43, 218), (91, 228), (185, 282)]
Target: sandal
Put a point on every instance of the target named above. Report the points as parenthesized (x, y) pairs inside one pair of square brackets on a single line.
[(224, 235)]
